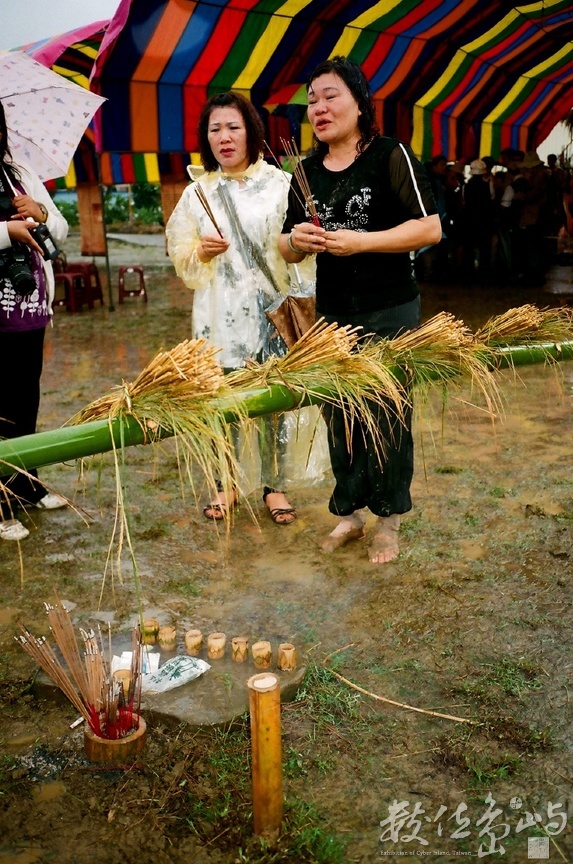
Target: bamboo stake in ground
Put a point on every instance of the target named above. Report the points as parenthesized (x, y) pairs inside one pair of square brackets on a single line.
[(265, 710)]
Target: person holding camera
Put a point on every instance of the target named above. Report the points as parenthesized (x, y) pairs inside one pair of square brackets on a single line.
[(31, 227)]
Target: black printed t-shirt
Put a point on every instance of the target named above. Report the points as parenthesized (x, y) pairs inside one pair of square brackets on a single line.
[(384, 187)]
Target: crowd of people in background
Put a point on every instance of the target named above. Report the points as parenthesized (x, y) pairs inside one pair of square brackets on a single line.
[(501, 219)]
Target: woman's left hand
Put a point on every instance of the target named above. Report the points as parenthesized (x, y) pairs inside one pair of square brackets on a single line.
[(343, 242), (26, 207)]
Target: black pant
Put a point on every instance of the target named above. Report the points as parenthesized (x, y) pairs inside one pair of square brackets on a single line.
[(364, 476), (21, 359)]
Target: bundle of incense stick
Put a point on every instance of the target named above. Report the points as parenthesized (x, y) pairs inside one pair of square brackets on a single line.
[(207, 207), (85, 678), (293, 154)]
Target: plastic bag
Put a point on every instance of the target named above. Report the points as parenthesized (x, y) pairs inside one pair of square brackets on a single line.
[(175, 672)]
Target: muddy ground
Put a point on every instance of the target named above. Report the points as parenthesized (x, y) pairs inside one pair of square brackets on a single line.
[(473, 620)]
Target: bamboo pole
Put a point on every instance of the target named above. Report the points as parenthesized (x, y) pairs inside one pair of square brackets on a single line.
[(101, 436), (267, 780)]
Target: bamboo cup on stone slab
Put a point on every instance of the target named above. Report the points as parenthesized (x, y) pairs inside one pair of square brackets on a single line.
[(286, 657), (262, 654), (239, 649), (193, 642), (216, 645), (167, 638), (149, 631), (123, 676)]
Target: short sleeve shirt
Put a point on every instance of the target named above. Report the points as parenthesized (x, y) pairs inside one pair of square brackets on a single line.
[(385, 186)]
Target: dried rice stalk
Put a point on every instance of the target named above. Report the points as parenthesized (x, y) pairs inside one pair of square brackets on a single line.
[(528, 323), (188, 371)]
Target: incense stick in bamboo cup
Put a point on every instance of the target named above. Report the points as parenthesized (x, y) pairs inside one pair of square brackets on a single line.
[(149, 631), (286, 657), (123, 676), (262, 654), (265, 711), (167, 637), (239, 649), (193, 642), (216, 645)]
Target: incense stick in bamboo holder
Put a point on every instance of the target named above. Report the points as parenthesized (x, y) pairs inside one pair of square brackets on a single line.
[(262, 654), (193, 642), (216, 645), (118, 751), (265, 711), (149, 631), (167, 638), (239, 649), (123, 676), (286, 657)]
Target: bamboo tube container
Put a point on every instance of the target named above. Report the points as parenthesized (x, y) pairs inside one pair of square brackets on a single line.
[(239, 649), (193, 642), (120, 751), (286, 657), (124, 678), (216, 645), (262, 654), (267, 779), (167, 637), (149, 631)]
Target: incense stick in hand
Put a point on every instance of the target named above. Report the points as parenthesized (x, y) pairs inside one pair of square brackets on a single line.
[(293, 154), (207, 207)]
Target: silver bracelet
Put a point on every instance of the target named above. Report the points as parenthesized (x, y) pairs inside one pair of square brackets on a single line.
[(293, 248)]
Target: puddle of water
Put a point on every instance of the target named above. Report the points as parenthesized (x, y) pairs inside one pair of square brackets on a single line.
[(45, 792)]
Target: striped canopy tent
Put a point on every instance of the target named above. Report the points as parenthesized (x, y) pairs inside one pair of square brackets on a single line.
[(462, 77), (72, 55)]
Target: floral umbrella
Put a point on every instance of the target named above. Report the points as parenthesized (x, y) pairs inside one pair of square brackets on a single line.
[(46, 114)]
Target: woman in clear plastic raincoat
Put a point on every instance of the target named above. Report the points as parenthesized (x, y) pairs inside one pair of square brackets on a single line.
[(230, 258)]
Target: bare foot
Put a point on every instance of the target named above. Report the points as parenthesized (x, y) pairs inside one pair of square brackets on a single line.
[(384, 546), (220, 508), (280, 510), (349, 528)]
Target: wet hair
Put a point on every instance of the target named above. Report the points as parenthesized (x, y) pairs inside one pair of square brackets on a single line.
[(5, 154), (357, 83), (251, 119)]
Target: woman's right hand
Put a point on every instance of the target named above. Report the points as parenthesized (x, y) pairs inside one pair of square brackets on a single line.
[(210, 247), (19, 231), (308, 237)]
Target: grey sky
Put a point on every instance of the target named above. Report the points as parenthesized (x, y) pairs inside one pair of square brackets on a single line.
[(31, 20)]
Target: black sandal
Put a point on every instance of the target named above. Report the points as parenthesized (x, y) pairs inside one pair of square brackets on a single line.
[(279, 511), (220, 510)]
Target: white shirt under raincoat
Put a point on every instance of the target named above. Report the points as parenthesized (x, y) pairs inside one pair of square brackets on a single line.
[(233, 290)]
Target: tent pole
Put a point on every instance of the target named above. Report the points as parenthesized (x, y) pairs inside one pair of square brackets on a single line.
[(111, 307)]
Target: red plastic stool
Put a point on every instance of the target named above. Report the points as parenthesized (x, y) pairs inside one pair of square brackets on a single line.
[(75, 293), (133, 292)]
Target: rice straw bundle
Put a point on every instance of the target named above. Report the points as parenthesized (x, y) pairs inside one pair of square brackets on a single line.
[(527, 323), (85, 677), (188, 371), (326, 364), (439, 351), (294, 156)]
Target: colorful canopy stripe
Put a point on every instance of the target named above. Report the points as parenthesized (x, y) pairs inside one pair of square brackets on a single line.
[(462, 77)]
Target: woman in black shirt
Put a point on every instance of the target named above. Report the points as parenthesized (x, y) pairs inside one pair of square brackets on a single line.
[(375, 206)]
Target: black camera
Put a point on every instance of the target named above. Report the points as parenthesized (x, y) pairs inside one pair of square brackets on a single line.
[(15, 266), (45, 241)]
